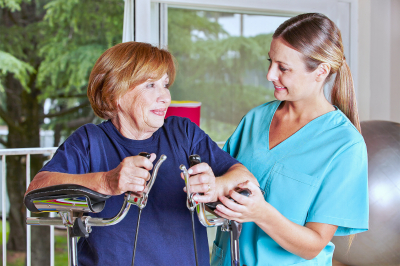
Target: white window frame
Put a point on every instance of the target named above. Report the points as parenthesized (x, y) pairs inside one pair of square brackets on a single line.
[(343, 12)]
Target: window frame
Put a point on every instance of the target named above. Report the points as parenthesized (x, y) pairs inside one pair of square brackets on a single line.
[(343, 12)]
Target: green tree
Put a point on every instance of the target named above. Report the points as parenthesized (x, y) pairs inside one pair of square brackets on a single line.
[(221, 71), (47, 50)]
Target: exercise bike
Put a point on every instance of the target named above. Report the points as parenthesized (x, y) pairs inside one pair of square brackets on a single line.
[(72, 201), (231, 226)]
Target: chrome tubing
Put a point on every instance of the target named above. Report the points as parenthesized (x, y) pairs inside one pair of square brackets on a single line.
[(191, 204), (140, 198), (201, 214), (199, 207), (72, 249), (87, 220), (90, 221), (155, 172), (44, 221)]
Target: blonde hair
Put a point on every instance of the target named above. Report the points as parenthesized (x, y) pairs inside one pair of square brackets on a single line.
[(123, 67), (318, 39)]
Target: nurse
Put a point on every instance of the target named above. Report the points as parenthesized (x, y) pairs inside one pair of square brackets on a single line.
[(307, 154)]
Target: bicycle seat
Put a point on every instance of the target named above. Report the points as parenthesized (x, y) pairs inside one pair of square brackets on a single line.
[(66, 197)]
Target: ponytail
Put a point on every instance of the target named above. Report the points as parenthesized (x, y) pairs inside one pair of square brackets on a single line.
[(319, 40), (343, 94)]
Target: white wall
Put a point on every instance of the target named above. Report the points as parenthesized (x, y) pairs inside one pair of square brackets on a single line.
[(364, 60), (395, 61), (379, 56)]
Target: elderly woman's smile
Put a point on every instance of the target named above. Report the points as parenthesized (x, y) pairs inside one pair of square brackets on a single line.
[(143, 108), (160, 112)]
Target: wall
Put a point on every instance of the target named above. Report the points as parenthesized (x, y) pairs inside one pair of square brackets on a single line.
[(379, 60), (395, 61)]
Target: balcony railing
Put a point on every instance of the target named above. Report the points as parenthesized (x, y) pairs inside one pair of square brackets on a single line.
[(27, 152)]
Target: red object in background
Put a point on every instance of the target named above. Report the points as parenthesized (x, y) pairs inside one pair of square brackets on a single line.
[(187, 109)]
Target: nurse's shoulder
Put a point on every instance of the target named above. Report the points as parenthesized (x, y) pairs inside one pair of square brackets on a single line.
[(345, 134)]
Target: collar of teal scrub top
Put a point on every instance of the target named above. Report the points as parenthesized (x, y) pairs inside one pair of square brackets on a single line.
[(322, 122)]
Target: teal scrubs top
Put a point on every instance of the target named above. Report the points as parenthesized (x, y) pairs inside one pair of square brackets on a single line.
[(319, 174)]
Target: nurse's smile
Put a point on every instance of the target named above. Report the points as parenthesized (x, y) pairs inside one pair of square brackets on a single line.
[(279, 88)]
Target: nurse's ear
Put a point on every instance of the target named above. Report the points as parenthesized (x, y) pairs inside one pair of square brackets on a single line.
[(322, 72)]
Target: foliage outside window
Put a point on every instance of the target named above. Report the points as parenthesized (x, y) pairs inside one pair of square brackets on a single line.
[(47, 50), (226, 72)]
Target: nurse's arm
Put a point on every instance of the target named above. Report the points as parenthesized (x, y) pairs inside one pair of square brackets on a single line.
[(209, 187), (305, 241), (235, 175)]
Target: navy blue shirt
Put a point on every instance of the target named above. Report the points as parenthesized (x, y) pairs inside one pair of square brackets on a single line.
[(165, 233)]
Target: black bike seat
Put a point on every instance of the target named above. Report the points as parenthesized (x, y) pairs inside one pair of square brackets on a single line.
[(95, 201)]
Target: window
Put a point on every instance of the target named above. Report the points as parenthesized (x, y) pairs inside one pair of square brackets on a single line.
[(206, 34), (222, 62)]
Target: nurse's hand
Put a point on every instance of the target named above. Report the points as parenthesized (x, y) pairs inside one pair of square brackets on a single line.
[(130, 175), (247, 209), (202, 180)]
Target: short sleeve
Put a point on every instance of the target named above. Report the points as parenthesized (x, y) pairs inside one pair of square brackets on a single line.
[(233, 144), (71, 157), (342, 199)]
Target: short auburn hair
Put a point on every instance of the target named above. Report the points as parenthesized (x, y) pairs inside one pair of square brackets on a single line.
[(123, 67)]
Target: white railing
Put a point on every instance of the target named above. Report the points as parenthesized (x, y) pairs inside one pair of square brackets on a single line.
[(27, 152)]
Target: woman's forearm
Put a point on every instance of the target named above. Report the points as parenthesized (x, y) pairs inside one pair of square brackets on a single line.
[(235, 175), (305, 241), (130, 175), (93, 181)]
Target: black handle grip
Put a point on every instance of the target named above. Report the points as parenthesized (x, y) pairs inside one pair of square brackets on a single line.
[(145, 154), (242, 191), (194, 159)]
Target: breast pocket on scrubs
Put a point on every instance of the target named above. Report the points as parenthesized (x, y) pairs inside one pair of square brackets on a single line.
[(290, 192)]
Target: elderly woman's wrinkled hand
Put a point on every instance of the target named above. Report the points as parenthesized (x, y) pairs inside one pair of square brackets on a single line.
[(202, 180), (130, 175)]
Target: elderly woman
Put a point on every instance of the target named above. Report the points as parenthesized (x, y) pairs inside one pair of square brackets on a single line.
[(129, 88)]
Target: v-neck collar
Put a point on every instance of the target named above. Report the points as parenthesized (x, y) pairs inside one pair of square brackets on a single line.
[(293, 136)]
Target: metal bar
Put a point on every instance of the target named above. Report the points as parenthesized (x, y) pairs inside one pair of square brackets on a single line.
[(28, 213), (72, 248), (3, 211), (52, 243), (24, 151), (44, 221)]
